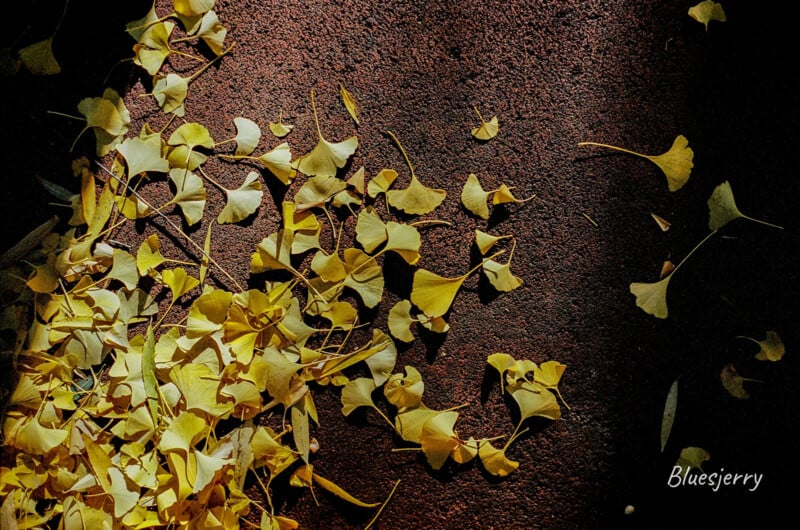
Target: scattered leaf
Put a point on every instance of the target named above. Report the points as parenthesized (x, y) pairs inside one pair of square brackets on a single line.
[(733, 382), (280, 129), (692, 457), (652, 297), (486, 130), (722, 209), (662, 223), (474, 197), (248, 134), (349, 103), (668, 418), (438, 439), (243, 201), (416, 199), (495, 460), (326, 158), (772, 348), (706, 11), (38, 58), (676, 163)]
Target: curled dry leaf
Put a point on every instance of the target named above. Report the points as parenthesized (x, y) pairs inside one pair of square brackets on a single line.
[(733, 382)]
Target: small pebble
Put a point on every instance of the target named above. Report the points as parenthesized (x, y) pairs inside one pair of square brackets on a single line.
[(629, 509)]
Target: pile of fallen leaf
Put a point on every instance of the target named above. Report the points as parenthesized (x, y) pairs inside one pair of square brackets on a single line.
[(127, 415)]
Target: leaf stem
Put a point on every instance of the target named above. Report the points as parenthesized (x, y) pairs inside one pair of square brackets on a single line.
[(402, 150), (209, 63), (689, 255), (380, 510), (613, 147), (64, 115), (314, 111), (751, 339), (483, 122), (431, 221), (762, 222)]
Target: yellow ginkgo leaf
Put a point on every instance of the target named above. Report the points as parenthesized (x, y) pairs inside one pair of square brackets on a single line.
[(706, 11), (124, 269), (381, 182), (534, 400), (549, 374), (500, 276), (485, 241), (722, 209), (136, 28), (279, 128), (400, 321), (182, 433), (416, 199), (435, 324), (208, 313), (404, 391), (503, 195), (357, 393), (152, 46), (495, 460), (273, 252), (209, 466), (382, 356), (349, 103), (212, 32), (408, 422), (192, 8), (438, 439), (125, 497), (733, 382), (248, 134), (178, 281), (192, 135), (243, 201), (342, 315), (170, 92), (676, 164), (486, 130), (34, 438), (329, 267), (149, 256), (143, 154), (26, 394), (370, 229), (364, 275), (317, 191), (279, 163), (434, 294), (190, 194), (465, 451), (404, 240), (772, 348), (652, 297), (38, 58), (109, 118), (44, 278), (474, 197), (692, 457), (327, 157)]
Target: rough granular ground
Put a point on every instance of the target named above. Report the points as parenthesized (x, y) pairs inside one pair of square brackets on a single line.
[(631, 73)]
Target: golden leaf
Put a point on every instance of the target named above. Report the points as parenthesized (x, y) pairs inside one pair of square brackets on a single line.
[(400, 321), (733, 382), (349, 103), (243, 201), (486, 130), (495, 460), (676, 164), (248, 134), (280, 129), (438, 439), (327, 157), (357, 393), (706, 11), (652, 297), (692, 457), (406, 391), (474, 197)]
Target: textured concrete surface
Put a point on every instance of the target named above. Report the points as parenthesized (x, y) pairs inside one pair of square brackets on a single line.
[(633, 73)]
